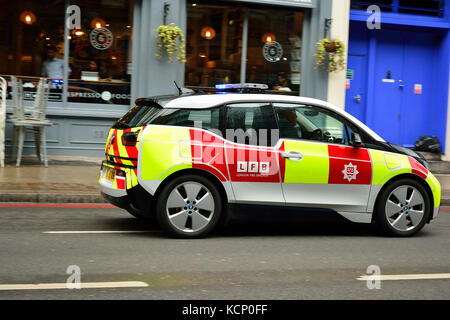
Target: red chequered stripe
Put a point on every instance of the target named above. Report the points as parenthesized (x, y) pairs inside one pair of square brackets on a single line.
[(417, 168), (120, 183), (211, 150), (349, 165)]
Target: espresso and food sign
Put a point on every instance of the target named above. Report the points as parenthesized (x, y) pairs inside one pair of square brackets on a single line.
[(289, 3)]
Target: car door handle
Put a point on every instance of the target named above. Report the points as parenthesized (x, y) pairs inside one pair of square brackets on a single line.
[(293, 156)]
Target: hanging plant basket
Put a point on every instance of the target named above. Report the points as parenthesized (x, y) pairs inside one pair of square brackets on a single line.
[(331, 46), (171, 38), (330, 55)]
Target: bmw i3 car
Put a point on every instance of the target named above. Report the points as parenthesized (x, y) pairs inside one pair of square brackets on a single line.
[(183, 159)]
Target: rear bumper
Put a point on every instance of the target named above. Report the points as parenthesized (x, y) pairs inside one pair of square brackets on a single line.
[(135, 197), (121, 202)]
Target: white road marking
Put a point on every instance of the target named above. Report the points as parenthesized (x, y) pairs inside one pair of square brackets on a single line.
[(83, 285), (407, 277), (99, 231)]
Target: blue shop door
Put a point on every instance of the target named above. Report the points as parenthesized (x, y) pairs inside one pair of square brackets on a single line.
[(355, 101), (404, 60)]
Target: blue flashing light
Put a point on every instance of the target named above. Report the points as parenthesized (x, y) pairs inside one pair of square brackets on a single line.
[(223, 86)]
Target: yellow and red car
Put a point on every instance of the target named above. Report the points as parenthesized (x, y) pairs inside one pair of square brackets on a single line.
[(183, 159)]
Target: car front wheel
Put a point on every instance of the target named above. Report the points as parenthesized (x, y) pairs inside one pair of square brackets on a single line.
[(189, 206), (403, 208)]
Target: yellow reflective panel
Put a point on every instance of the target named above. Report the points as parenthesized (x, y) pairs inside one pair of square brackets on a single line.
[(107, 140), (387, 165), (314, 167), (161, 150), (379, 168), (393, 161), (435, 188)]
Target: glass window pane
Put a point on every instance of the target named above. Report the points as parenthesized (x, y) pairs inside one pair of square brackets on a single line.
[(312, 123), (275, 48), (206, 119), (251, 123), (100, 53), (213, 44), (27, 30)]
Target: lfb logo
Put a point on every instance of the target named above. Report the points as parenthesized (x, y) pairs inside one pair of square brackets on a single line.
[(253, 167), (350, 172)]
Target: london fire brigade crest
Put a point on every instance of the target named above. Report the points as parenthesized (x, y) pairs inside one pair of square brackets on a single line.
[(350, 172)]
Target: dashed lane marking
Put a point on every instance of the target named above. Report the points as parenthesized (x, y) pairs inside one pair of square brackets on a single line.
[(100, 231), (83, 285), (430, 276)]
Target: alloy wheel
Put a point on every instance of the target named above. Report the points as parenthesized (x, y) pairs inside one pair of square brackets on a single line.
[(405, 208), (190, 207)]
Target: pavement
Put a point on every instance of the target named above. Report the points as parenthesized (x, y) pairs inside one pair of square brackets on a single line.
[(65, 180), (75, 180)]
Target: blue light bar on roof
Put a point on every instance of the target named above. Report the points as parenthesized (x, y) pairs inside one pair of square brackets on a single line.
[(242, 86)]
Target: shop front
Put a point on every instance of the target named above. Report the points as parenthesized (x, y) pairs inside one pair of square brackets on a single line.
[(101, 55)]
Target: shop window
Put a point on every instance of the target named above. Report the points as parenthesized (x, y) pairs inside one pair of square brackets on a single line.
[(213, 44), (275, 48), (27, 30), (100, 53), (216, 39)]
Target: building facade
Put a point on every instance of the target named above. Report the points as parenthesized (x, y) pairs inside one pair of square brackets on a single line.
[(398, 79), (109, 59)]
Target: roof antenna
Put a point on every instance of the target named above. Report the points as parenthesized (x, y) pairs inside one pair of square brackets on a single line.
[(180, 92)]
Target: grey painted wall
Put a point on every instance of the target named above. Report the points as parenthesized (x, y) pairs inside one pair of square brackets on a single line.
[(150, 75)]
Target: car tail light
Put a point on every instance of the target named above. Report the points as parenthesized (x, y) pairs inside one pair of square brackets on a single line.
[(120, 173), (129, 139)]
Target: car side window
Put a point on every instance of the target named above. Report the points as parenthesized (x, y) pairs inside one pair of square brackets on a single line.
[(204, 118), (308, 122), (251, 123)]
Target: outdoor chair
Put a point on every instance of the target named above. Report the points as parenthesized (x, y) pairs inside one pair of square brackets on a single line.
[(35, 122)]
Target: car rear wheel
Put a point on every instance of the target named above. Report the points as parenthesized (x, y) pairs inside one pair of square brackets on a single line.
[(403, 208), (189, 207)]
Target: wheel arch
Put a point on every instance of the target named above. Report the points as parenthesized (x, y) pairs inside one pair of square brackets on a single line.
[(411, 176)]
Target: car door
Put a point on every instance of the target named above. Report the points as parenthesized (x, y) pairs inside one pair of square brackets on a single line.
[(251, 156), (321, 167)]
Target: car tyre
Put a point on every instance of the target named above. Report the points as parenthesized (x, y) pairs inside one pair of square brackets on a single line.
[(189, 206), (402, 209)]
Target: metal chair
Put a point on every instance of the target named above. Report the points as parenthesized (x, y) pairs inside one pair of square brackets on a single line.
[(36, 120), (3, 88)]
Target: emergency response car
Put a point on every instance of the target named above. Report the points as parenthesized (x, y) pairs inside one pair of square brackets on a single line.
[(183, 159)]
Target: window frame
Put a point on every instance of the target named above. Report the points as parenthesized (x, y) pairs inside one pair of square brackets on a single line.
[(331, 113)]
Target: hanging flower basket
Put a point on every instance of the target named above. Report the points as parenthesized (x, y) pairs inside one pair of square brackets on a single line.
[(330, 53), (331, 46), (171, 38)]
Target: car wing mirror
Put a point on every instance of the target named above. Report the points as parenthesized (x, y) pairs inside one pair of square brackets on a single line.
[(356, 140)]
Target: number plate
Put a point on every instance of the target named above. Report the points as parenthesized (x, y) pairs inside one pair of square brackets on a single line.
[(110, 174)]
